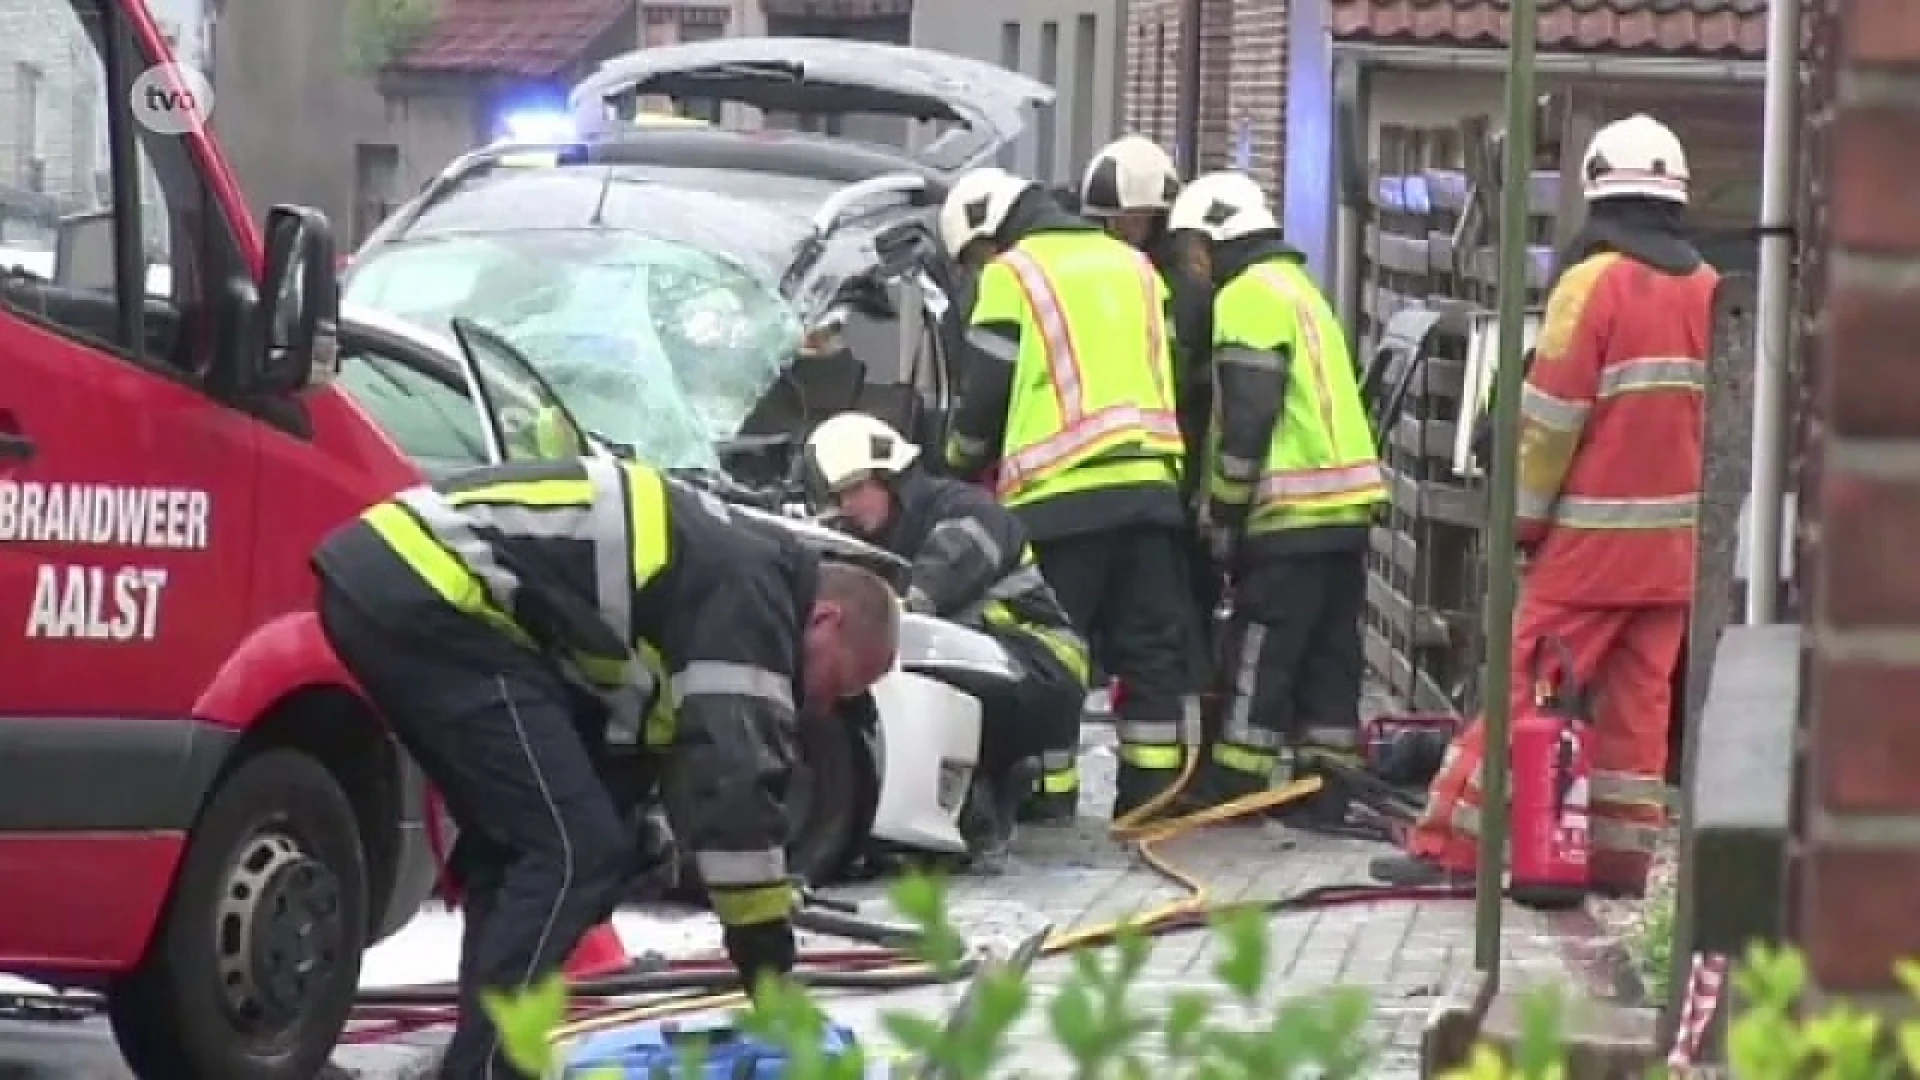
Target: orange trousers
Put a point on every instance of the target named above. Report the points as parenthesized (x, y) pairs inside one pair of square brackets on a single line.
[(1623, 659)]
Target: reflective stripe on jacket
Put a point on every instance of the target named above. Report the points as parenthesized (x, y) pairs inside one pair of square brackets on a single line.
[(1093, 379), (972, 564), (1611, 434), (1293, 448), (652, 597)]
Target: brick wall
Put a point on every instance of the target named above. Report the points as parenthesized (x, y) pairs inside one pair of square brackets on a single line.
[(1152, 91), (1257, 95), (1857, 882)]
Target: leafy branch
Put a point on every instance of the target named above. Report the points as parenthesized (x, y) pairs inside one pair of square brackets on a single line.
[(380, 32)]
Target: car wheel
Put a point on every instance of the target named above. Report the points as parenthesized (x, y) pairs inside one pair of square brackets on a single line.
[(823, 802), (254, 967)]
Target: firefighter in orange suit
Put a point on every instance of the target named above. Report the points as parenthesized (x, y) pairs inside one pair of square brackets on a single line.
[(1609, 479)]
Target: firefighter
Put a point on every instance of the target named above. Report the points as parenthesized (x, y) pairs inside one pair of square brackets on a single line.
[(1068, 405), (1293, 476), (1609, 478), (526, 627), (972, 565), (1129, 187)]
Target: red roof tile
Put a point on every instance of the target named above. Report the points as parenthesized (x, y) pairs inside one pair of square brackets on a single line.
[(1731, 29), (530, 38)]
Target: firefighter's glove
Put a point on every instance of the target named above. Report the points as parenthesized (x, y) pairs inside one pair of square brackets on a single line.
[(1222, 543), (657, 861), (1220, 526), (760, 949)]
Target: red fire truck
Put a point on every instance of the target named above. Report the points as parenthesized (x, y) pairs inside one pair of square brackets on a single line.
[(198, 814)]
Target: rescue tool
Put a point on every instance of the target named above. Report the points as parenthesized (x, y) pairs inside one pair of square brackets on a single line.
[(1018, 962)]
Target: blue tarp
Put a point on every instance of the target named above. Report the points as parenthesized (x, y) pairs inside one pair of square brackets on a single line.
[(650, 1051)]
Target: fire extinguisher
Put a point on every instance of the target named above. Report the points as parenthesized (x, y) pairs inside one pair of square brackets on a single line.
[(1551, 780)]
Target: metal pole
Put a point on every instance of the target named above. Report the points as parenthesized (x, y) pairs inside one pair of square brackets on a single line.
[(1516, 190), (1187, 123), (1767, 486)]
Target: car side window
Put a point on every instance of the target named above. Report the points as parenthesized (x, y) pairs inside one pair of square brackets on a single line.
[(431, 420), (59, 201)]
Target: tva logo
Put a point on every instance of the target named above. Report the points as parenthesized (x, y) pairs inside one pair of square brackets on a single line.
[(171, 99)]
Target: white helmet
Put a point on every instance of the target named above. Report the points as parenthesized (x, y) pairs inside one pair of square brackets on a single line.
[(1223, 206), (851, 447), (1129, 173), (977, 205), (1636, 156)]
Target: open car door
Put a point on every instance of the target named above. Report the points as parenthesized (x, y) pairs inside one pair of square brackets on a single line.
[(984, 106), (524, 416)]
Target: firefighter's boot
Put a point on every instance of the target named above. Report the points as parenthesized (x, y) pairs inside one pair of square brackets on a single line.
[(1135, 787), (1152, 756), (1328, 810), (987, 821), (1055, 798), (1217, 782)]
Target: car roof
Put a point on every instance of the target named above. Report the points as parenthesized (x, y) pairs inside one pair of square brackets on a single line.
[(749, 196), (760, 236), (769, 150)]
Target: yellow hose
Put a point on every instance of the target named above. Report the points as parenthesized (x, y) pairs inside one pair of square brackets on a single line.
[(1145, 834), (1135, 827)]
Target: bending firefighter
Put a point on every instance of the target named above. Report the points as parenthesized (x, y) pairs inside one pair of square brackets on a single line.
[(1068, 391), (543, 636), (1609, 477), (971, 564), (1293, 476), (1129, 188)]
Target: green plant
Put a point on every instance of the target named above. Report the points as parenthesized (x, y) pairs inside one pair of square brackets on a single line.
[(1652, 945), (380, 31), (1771, 1040)]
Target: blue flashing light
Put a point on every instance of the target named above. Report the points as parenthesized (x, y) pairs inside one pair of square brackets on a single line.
[(538, 126)]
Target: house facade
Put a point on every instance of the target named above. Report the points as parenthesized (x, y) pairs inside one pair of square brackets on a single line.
[(53, 142), (1388, 68), (1275, 72), (1247, 57), (53, 125), (1078, 47), (1853, 868)]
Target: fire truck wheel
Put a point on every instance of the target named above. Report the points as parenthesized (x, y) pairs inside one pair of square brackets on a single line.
[(254, 967)]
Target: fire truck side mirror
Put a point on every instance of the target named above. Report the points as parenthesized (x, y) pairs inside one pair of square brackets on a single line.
[(296, 323)]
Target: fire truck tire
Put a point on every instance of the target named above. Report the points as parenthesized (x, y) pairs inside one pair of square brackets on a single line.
[(253, 969)]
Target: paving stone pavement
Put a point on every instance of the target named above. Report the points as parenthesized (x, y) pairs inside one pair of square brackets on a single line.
[(1401, 953)]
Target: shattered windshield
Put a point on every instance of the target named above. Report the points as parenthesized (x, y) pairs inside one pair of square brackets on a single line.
[(652, 344)]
